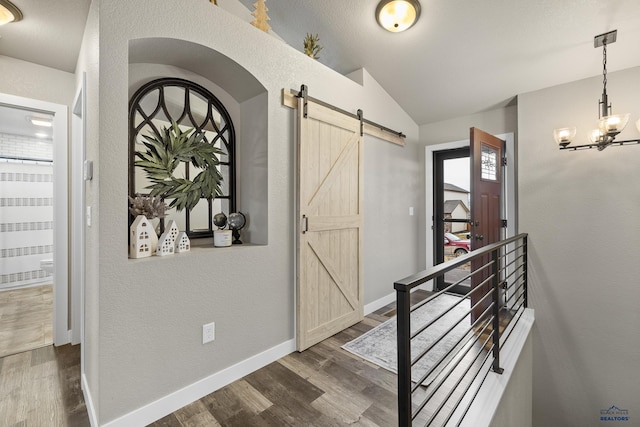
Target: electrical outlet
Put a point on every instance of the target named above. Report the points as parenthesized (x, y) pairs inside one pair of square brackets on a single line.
[(208, 332)]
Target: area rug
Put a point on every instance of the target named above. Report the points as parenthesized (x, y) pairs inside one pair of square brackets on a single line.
[(379, 345)]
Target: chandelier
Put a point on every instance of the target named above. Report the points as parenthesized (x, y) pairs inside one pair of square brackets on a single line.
[(609, 125)]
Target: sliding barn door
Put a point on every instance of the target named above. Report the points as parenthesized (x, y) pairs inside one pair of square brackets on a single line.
[(329, 247)]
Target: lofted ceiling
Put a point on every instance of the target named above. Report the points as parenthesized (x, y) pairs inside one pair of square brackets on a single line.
[(462, 56), (49, 34)]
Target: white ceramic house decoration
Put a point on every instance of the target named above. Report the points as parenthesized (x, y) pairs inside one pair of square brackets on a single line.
[(172, 229), (183, 244), (140, 238), (166, 244)]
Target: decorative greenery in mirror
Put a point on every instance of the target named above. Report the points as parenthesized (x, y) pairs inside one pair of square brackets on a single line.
[(182, 150), (164, 155)]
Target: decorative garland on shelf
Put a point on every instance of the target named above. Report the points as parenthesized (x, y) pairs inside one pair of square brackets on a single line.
[(164, 155)]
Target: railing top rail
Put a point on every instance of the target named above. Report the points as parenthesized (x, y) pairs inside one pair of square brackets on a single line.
[(417, 279)]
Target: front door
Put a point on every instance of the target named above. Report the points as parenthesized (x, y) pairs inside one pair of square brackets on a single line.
[(329, 283), (487, 152)]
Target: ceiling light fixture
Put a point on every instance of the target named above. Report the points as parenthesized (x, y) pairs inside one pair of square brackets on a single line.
[(397, 15), (37, 121), (609, 125), (9, 12)]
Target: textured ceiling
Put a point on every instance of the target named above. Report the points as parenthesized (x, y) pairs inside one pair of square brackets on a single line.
[(462, 57), (465, 56), (49, 34)]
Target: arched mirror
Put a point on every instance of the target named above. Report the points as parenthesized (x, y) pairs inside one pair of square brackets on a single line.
[(154, 107)]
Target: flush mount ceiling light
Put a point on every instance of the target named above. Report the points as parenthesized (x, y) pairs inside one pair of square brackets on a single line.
[(609, 125), (9, 12), (397, 15)]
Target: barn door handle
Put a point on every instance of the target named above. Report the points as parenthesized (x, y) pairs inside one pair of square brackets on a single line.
[(479, 237), (305, 224)]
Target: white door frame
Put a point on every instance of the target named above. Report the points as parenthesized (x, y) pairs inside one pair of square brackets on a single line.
[(78, 151), (61, 331), (509, 191)]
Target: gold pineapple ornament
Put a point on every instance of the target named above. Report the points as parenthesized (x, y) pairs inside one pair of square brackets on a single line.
[(260, 13)]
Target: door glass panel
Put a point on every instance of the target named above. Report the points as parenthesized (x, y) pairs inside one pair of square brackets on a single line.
[(489, 163), (456, 211)]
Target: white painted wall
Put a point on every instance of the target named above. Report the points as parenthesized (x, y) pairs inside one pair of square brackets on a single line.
[(580, 210), (34, 81), (147, 314)]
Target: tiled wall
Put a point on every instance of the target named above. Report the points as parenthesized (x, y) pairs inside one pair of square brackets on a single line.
[(24, 146)]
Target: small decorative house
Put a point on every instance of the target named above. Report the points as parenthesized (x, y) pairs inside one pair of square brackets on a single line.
[(183, 244), (172, 229), (166, 244), (140, 238)]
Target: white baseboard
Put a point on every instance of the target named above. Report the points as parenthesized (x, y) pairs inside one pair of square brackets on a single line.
[(88, 401), (176, 400), (379, 303)]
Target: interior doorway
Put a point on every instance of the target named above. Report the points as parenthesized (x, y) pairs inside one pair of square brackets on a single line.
[(37, 156)]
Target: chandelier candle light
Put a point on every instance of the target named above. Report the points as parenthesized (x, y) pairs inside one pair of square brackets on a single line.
[(609, 125)]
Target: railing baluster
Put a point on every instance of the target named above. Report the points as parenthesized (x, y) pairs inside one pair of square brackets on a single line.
[(525, 264), (403, 298), (496, 312)]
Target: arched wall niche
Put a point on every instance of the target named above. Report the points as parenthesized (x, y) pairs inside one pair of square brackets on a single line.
[(244, 97)]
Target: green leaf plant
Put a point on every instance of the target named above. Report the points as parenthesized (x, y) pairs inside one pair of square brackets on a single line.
[(163, 155), (311, 46)]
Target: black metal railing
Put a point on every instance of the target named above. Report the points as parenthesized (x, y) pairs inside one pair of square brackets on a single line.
[(498, 295)]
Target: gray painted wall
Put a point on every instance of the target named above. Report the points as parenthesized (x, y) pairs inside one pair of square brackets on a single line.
[(88, 63), (496, 122), (580, 210), (147, 314), (515, 408)]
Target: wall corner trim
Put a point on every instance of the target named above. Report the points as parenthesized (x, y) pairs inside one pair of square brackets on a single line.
[(88, 401), (170, 403)]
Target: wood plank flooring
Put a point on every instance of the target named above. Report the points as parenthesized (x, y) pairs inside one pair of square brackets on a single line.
[(41, 388), (26, 319), (323, 386)]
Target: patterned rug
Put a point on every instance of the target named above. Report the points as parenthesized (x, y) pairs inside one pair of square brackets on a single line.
[(379, 345)]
